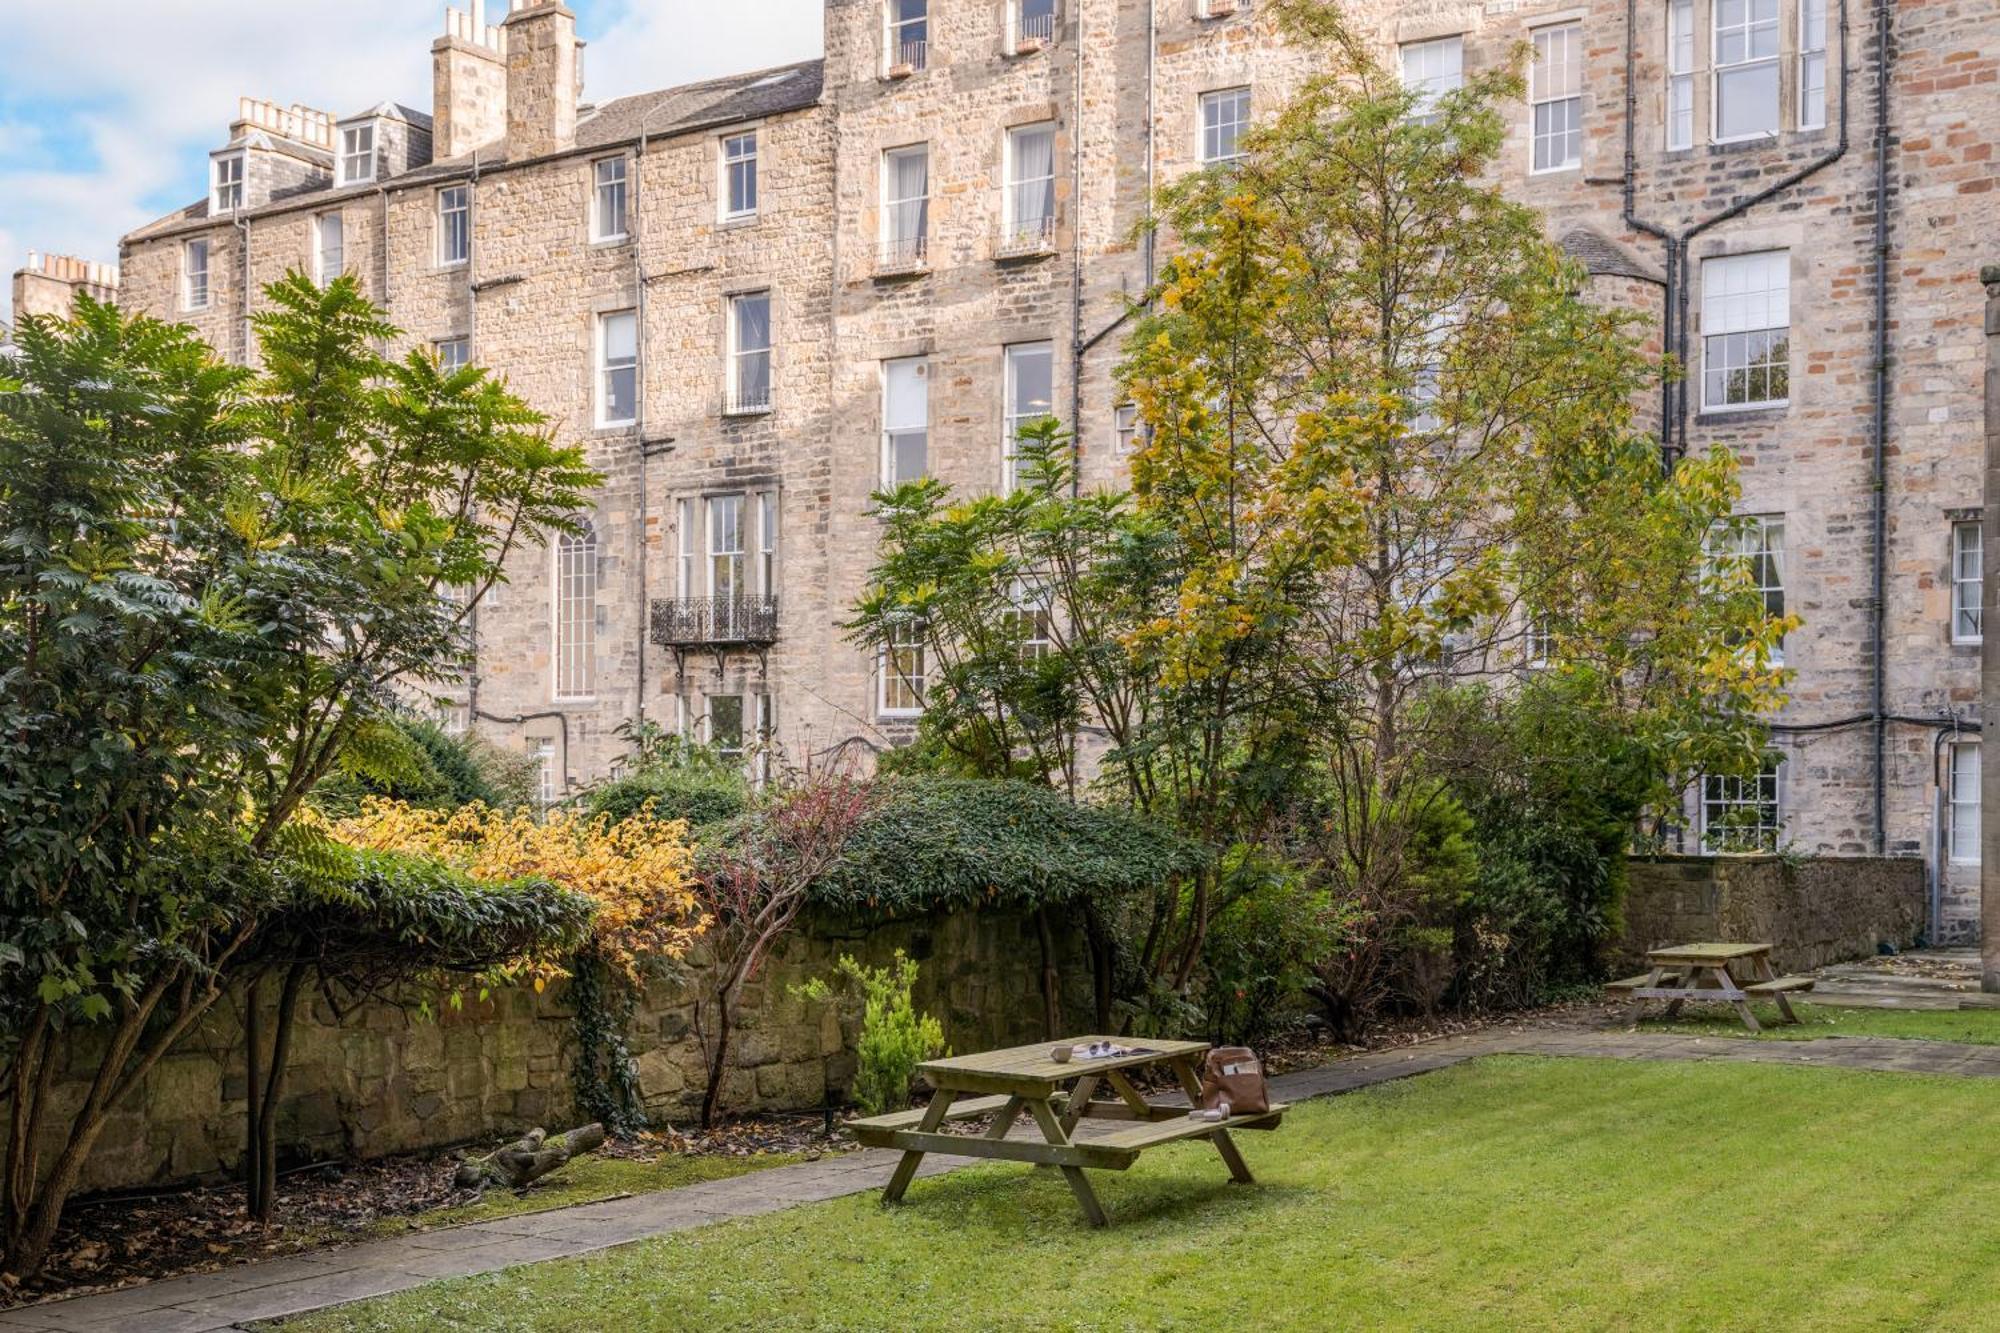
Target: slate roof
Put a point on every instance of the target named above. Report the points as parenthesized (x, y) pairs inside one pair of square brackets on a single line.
[(660, 114), (1604, 257)]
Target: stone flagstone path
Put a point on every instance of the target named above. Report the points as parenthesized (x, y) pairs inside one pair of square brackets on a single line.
[(290, 1286)]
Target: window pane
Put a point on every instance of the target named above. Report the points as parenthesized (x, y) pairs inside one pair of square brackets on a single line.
[(1432, 69), (1963, 795), (575, 614), (905, 420), (1746, 101), (1031, 166), (610, 210), (750, 331), (725, 723), (1968, 582)]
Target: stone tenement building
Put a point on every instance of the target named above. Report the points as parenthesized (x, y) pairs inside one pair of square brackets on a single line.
[(755, 299)]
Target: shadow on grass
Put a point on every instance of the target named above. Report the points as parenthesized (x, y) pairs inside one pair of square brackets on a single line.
[(1025, 1204)]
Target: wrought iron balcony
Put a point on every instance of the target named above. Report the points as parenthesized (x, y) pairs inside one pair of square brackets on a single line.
[(715, 622)]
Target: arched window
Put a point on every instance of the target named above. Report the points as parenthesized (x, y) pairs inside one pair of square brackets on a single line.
[(576, 614)]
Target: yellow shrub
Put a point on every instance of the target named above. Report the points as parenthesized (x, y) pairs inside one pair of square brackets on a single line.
[(639, 870)]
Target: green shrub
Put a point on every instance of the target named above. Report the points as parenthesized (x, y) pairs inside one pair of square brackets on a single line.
[(1257, 958), (416, 761), (895, 1038), (702, 797)]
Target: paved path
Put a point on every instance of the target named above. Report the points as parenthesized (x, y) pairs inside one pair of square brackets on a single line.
[(290, 1286)]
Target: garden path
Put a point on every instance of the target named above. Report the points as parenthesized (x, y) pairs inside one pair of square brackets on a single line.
[(290, 1286)]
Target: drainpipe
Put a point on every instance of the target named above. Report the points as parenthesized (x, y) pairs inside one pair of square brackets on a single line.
[(472, 349), (243, 238), (1669, 344), (1878, 452), (1076, 265)]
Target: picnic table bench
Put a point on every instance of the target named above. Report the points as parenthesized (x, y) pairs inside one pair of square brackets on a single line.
[(1004, 1083), (1708, 973)]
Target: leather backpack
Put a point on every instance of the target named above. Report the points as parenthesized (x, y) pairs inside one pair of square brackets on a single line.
[(1235, 1075)]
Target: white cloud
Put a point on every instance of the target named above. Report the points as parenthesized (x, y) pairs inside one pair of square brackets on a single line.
[(146, 89)]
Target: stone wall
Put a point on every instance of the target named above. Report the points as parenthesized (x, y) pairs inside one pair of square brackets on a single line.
[(390, 1079), (1813, 912)]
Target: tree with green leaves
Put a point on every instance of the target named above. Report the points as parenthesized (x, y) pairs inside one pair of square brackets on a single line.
[(216, 586)]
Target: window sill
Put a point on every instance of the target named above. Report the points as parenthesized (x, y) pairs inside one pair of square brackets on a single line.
[(889, 270), (1028, 46), (615, 427), (1973, 644), (1021, 252), (734, 220), (1567, 169), (747, 410), (1748, 414), (899, 716), (610, 242), (574, 701), (897, 73)]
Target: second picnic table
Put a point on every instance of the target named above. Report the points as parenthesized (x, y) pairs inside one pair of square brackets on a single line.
[(1709, 972), (1025, 1078)]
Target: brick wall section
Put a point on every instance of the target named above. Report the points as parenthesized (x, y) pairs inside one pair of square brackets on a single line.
[(1812, 912), (388, 1081)]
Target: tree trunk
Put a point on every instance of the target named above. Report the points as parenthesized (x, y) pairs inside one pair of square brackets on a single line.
[(528, 1158), (264, 1087), (1051, 983), (718, 1060)]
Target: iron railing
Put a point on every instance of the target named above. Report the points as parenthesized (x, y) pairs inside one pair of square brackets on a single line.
[(901, 252), (911, 53), (698, 622)]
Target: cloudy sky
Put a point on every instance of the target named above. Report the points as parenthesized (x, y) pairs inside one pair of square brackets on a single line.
[(108, 108)]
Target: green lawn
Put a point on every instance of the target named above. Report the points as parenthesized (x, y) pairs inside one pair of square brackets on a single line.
[(1976, 1026), (1509, 1193)]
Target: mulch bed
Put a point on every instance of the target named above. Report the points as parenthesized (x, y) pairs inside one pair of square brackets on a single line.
[(116, 1240)]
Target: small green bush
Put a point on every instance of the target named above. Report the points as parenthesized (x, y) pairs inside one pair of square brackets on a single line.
[(700, 796), (895, 1038), (1256, 961)]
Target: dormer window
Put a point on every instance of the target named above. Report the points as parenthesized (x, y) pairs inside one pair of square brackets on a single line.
[(357, 154), (226, 194)]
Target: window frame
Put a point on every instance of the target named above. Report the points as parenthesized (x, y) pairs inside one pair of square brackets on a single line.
[(739, 355), (1011, 421), (1962, 807), (454, 223), (1718, 70), (1729, 795), (916, 683), (1425, 109), (349, 154), (893, 43), (574, 590), (188, 272), (605, 370), (1571, 32), (542, 751), (1017, 236), (1961, 582), (894, 248), (1238, 98), (890, 433), (237, 183), (1780, 262), (1758, 540), (1126, 429), (448, 365), (1680, 61), (617, 207), (319, 226), (1811, 115), (750, 165)]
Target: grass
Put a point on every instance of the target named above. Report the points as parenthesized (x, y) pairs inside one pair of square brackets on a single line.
[(1508, 1193), (1973, 1026), (585, 1180)]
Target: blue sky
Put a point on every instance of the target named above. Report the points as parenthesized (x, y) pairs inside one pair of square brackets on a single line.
[(108, 108)]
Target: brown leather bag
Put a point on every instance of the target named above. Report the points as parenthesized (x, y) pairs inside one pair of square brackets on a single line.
[(1235, 1075)]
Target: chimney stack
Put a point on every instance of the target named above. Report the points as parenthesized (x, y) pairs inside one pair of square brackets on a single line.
[(544, 76), (468, 83), (49, 283)]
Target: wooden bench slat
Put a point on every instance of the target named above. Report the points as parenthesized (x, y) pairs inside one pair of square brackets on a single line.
[(1634, 983), (1141, 1137), (1780, 985), (970, 1108)]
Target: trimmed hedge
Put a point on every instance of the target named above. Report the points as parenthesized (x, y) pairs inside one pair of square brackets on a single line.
[(700, 796), (943, 843)]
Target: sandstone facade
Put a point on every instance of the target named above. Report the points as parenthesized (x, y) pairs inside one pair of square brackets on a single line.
[(1867, 200)]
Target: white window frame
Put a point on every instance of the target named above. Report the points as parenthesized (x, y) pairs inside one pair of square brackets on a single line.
[(454, 213), (893, 433), (320, 226), (741, 355), (1032, 618), (1125, 430), (1013, 420), (1234, 101), (607, 367), (764, 705), (1759, 543), (1434, 68), (451, 364), (1566, 93), (1680, 125), (904, 638), (358, 143), (1961, 803), (1968, 581), (1022, 232), (610, 199), (687, 570), (573, 591), (726, 520), (1045, 27), (1766, 791), (740, 165), (896, 46), (1748, 29), (226, 174), (543, 752), (898, 248), (1813, 64), (193, 296), (1728, 310), (766, 508)]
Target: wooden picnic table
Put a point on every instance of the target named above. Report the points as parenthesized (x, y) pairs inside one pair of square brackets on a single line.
[(1731, 974), (1058, 1096)]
